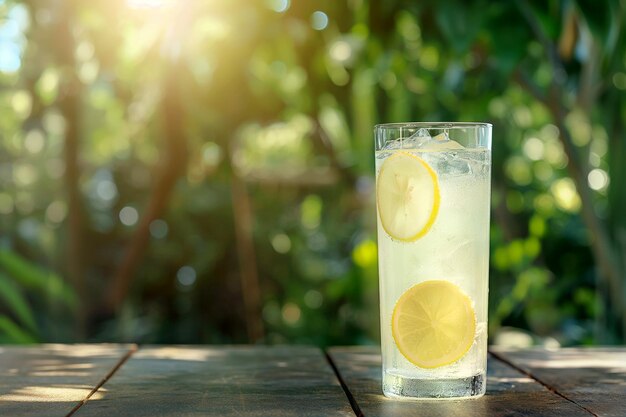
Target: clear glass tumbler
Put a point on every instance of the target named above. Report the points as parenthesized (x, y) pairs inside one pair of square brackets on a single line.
[(433, 196)]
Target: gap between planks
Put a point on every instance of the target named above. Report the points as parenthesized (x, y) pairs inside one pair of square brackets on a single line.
[(352, 400), (103, 381), (344, 386), (550, 388), (359, 413)]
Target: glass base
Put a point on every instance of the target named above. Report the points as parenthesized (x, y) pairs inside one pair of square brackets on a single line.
[(404, 388)]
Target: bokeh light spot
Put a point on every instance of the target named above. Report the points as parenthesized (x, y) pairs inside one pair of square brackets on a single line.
[(579, 126), (533, 148), (364, 254), (518, 170), (186, 276), (543, 171), (34, 141), (497, 107), (554, 154), (48, 85), (311, 211), (565, 195), (429, 58), (516, 252), (544, 203), (9, 57), (598, 179), (106, 190), (281, 243), (56, 211), (522, 116), (211, 154), (313, 299), (388, 80), (24, 174), (84, 51), (279, 6), (319, 20), (341, 51), (54, 122), (88, 72), (28, 228), (291, 313), (619, 80), (532, 246), (158, 229), (600, 144), (22, 103), (129, 216), (537, 226)]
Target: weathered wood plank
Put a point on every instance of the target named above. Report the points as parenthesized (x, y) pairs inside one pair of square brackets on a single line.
[(509, 392), (594, 378), (222, 381), (50, 380)]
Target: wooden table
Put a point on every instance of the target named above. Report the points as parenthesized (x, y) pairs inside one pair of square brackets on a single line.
[(126, 380)]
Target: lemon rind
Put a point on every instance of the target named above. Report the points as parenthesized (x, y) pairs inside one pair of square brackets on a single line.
[(434, 211), (458, 357)]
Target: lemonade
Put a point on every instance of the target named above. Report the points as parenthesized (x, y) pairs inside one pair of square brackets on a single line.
[(433, 196)]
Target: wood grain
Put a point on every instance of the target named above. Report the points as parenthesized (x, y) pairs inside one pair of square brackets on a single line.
[(222, 381), (509, 392), (50, 380), (594, 378)]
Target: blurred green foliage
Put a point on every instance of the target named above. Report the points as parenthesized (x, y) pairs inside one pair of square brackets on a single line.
[(163, 157), (20, 282)]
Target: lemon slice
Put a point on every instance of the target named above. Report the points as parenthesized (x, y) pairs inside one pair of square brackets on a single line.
[(433, 324), (407, 195)]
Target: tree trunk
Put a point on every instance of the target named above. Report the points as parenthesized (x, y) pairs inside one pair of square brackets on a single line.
[(174, 158), (70, 107), (617, 192), (603, 248), (243, 221)]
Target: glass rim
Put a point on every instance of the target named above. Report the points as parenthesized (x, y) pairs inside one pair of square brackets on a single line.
[(433, 125)]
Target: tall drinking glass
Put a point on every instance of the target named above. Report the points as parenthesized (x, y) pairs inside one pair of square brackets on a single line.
[(433, 197)]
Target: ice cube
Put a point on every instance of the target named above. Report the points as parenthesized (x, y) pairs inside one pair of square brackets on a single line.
[(454, 164), (415, 141), (418, 139), (393, 144), (441, 142), (422, 140), (421, 134)]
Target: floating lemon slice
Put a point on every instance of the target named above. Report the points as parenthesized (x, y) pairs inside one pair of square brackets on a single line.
[(433, 324), (407, 195)]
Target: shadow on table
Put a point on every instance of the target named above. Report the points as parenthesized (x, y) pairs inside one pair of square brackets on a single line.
[(52, 379)]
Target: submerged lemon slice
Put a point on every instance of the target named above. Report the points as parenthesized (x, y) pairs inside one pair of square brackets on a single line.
[(407, 195), (433, 324)]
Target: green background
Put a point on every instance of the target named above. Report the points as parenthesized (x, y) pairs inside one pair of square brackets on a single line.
[(202, 171)]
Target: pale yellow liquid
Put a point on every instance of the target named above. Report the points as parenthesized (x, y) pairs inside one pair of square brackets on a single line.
[(456, 249)]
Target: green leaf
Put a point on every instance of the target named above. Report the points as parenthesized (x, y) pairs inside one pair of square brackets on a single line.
[(12, 333), (16, 303), (33, 278), (509, 42), (598, 15), (459, 23)]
